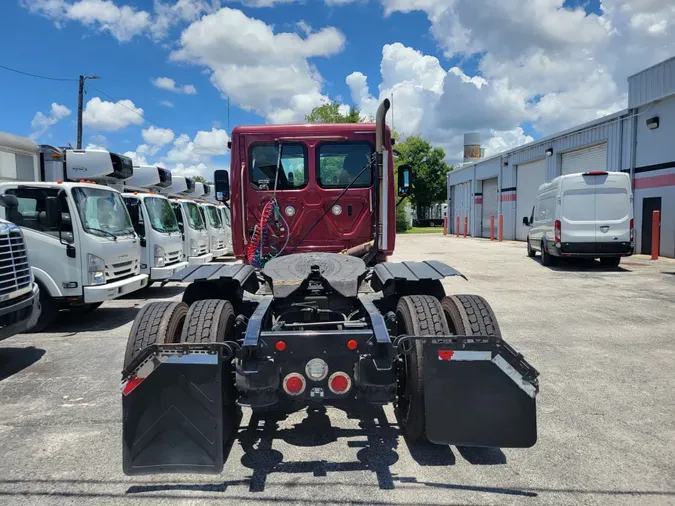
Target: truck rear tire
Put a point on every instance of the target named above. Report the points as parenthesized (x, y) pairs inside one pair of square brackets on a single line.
[(417, 315), (212, 321), (156, 323), (547, 260), (470, 315)]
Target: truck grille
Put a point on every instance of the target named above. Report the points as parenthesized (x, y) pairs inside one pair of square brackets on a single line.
[(203, 250), (14, 267), (221, 244), (173, 257), (121, 270)]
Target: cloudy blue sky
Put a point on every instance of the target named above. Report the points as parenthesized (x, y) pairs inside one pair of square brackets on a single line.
[(513, 70)]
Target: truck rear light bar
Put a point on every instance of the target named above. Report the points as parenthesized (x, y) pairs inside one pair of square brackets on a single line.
[(596, 173)]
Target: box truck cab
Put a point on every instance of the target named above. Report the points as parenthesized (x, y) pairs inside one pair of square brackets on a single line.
[(190, 222), (82, 245), (589, 214), (155, 223), (224, 214), (214, 226)]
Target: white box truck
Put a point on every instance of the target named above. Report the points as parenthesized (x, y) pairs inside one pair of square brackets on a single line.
[(190, 221), (82, 245), (155, 223), (589, 215)]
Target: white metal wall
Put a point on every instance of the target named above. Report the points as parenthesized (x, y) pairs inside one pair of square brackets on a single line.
[(490, 205), (529, 177), (585, 160), (462, 204)]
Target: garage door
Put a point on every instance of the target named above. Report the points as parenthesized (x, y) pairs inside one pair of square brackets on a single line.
[(585, 160), (529, 177), (490, 205)]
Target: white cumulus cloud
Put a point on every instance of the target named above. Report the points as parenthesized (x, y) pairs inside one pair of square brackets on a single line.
[(157, 136), (111, 116), (166, 83), (43, 122), (260, 70)]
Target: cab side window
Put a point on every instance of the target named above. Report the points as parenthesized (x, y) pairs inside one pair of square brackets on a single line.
[(32, 213)]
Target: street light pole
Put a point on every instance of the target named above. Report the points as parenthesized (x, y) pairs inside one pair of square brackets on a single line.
[(80, 100)]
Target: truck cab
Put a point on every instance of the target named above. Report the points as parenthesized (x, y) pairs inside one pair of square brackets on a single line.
[(190, 222), (83, 247), (155, 222), (319, 174)]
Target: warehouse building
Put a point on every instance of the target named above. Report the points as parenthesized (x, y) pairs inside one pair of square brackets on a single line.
[(639, 140)]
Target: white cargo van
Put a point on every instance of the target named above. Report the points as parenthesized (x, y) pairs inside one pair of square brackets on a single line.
[(589, 214)]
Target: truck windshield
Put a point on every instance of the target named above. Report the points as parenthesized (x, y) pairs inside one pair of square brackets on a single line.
[(102, 212), (161, 215), (214, 216), (194, 216)]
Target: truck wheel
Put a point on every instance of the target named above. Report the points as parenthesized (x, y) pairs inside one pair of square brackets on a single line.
[(417, 315), (610, 261), (470, 315), (530, 251), (212, 321), (156, 323), (50, 311)]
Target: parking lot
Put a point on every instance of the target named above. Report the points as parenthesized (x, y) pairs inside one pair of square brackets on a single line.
[(602, 340)]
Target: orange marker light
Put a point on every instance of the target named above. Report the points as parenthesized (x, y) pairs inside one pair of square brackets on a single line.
[(280, 346), (352, 345)]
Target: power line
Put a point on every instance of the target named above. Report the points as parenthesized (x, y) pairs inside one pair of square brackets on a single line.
[(118, 102), (35, 75)]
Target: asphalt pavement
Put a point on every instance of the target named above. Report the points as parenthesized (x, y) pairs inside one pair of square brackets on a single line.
[(603, 341)]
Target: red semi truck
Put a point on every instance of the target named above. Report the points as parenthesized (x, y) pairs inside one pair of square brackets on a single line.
[(315, 314)]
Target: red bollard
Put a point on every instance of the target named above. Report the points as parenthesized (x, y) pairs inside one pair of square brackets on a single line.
[(445, 225), (501, 227), (492, 227), (466, 225), (656, 234), (457, 226)]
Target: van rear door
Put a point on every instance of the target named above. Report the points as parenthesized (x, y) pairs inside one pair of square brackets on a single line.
[(578, 211), (613, 209)]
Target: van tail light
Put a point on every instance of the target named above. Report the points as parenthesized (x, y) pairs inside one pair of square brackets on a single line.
[(595, 173), (632, 230), (558, 233)]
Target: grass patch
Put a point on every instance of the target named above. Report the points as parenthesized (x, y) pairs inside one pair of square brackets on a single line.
[(424, 230)]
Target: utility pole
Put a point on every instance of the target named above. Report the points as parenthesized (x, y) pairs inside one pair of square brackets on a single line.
[(80, 99), (228, 116)]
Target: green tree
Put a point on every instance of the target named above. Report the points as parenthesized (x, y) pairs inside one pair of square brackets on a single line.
[(430, 169), (402, 219), (330, 113), (201, 179)]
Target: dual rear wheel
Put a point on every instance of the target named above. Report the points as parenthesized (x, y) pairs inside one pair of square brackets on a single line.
[(424, 315)]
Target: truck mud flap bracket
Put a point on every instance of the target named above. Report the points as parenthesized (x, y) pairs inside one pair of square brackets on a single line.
[(478, 392), (174, 420)]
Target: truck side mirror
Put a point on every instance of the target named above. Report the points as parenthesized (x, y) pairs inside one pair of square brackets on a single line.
[(52, 212), (9, 201), (405, 176), (222, 183), (526, 221)]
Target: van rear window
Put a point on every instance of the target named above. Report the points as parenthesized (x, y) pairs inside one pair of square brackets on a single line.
[(611, 204), (577, 204)]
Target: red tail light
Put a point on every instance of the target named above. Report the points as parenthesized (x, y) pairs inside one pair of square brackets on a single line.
[(339, 383), (131, 384), (558, 233), (596, 173), (294, 384), (632, 230)]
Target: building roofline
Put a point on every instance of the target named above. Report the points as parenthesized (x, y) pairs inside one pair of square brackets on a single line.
[(653, 66), (549, 138)]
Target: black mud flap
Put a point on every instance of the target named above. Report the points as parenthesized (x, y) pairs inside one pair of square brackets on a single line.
[(478, 392), (173, 416)]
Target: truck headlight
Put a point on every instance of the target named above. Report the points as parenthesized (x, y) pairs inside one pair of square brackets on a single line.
[(95, 269), (160, 256), (194, 250)]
